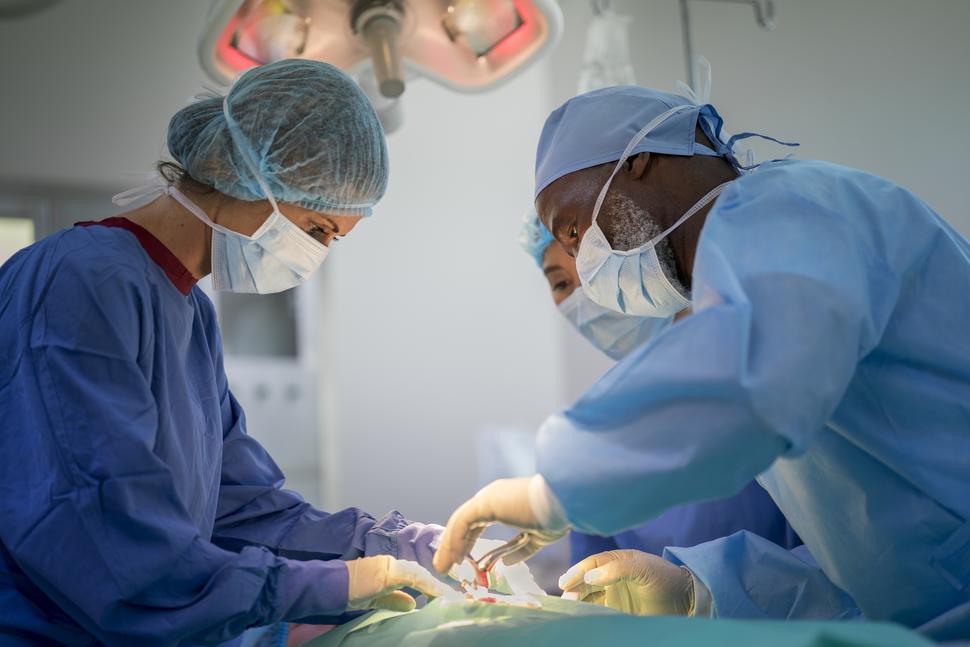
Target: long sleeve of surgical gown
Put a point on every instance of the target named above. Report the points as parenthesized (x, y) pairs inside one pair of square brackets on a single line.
[(114, 512), (254, 508), (794, 282)]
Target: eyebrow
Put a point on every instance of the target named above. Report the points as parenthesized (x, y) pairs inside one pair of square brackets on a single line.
[(553, 268), (563, 221)]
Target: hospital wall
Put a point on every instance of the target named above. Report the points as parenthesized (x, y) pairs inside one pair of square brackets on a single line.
[(440, 328), (881, 85)]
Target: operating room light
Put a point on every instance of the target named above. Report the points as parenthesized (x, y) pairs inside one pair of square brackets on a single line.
[(482, 24), (270, 32), (465, 45)]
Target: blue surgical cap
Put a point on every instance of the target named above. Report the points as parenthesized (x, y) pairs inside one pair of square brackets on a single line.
[(305, 127), (534, 237), (596, 127)]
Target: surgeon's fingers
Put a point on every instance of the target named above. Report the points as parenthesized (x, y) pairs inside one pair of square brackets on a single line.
[(458, 549), (582, 592), (394, 601), (611, 573), (576, 574), (412, 575), (463, 530)]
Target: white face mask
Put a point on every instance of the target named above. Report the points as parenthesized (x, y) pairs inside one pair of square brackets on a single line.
[(613, 333), (278, 256), (632, 282)]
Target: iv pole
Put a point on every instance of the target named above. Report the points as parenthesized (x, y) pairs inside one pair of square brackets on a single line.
[(764, 15)]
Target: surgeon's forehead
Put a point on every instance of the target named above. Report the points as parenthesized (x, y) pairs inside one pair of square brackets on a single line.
[(563, 197)]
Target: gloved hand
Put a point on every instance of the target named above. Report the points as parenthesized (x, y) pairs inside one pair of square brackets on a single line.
[(515, 579), (373, 583), (508, 501), (633, 582), (416, 542)]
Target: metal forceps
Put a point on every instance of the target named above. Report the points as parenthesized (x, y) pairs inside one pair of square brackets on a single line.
[(484, 564)]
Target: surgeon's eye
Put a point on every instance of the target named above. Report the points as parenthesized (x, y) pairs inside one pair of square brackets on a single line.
[(559, 286), (573, 232), (320, 234)]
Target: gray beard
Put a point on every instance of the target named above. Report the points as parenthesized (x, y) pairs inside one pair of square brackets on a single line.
[(633, 226)]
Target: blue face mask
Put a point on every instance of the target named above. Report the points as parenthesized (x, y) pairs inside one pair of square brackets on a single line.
[(613, 333)]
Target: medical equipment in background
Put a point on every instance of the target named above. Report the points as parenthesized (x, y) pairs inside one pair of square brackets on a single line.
[(606, 56), (276, 368), (464, 45), (764, 15)]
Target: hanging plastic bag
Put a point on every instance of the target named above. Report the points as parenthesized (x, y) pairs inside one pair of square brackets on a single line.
[(606, 58)]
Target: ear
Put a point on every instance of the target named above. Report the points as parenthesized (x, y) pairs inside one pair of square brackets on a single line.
[(638, 165)]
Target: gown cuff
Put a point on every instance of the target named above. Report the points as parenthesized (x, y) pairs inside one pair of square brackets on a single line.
[(703, 601), (311, 588), (545, 506)]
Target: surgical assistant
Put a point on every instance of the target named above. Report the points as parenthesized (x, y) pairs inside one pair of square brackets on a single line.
[(134, 507), (617, 335), (826, 355)]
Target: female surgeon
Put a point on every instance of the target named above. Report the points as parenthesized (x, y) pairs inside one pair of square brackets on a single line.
[(134, 508)]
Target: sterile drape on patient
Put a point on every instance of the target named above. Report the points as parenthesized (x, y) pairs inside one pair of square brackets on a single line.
[(560, 622)]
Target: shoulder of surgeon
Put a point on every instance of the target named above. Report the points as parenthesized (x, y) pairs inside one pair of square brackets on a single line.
[(94, 259), (88, 283), (822, 194), (840, 189)]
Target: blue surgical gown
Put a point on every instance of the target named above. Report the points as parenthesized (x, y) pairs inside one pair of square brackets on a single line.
[(695, 523), (829, 356), (134, 508)]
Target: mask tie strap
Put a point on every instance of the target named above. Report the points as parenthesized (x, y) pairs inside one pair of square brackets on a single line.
[(153, 186), (700, 204), (197, 211), (656, 121), (702, 94)]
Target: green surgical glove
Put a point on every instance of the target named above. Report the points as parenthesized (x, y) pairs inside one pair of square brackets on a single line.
[(633, 582)]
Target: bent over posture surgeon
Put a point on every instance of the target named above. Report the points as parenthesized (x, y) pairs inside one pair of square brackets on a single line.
[(134, 508), (617, 335), (826, 354)]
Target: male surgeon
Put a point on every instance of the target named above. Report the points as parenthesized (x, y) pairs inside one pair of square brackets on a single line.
[(826, 355), (617, 334)]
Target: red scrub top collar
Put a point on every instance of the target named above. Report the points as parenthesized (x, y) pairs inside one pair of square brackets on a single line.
[(180, 277)]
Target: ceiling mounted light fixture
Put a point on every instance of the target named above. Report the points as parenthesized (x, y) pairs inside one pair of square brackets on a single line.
[(465, 45)]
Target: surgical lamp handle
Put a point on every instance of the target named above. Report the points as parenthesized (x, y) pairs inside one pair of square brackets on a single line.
[(381, 33)]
